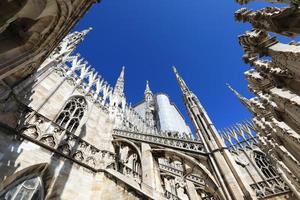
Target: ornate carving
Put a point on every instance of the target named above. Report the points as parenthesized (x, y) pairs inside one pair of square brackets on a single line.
[(270, 187), (163, 139), (61, 140), (78, 155), (292, 2), (48, 140), (254, 43), (31, 131), (278, 20), (65, 149)]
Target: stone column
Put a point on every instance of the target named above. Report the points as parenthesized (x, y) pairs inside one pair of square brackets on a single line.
[(191, 190), (151, 182)]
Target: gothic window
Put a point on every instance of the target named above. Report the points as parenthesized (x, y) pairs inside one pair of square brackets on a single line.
[(72, 113), (264, 165), (28, 189)]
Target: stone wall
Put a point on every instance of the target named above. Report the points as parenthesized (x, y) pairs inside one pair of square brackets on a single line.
[(49, 93), (69, 180)]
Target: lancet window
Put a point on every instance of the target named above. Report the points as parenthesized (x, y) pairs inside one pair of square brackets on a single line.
[(28, 189), (264, 165), (72, 113)]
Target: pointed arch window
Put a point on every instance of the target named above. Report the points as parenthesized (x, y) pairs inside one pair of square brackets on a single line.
[(72, 113), (28, 189), (264, 165)]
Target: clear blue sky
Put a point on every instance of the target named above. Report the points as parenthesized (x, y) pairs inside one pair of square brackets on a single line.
[(148, 37)]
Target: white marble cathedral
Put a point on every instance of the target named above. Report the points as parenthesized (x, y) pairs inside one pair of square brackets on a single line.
[(65, 133)]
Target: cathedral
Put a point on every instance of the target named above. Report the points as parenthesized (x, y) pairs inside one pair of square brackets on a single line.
[(66, 133)]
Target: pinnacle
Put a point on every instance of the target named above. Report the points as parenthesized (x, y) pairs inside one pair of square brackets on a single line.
[(86, 31), (147, 90), (174, 69)]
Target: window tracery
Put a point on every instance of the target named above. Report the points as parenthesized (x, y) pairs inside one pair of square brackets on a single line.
[(72, 113), (28, 189), (264, 165)]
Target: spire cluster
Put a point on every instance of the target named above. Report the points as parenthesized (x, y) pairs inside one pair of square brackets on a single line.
[(67, 46)]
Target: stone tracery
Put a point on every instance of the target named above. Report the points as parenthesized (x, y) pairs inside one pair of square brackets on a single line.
[(72, 113)]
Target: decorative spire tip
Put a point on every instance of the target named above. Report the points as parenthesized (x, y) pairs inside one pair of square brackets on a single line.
[(174, 69)]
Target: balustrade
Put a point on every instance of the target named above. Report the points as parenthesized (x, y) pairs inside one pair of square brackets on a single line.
[(41, 130), (188, 145), (270, 187)]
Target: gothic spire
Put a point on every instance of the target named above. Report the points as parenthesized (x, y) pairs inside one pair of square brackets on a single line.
[(149, 106), (181, 82), (242, 99), (77, 36), (119, 87), (148, 96), (147, 90), (212, 141)]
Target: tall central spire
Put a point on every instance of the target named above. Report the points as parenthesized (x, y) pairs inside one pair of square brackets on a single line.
[(213, 143), (180, 81)]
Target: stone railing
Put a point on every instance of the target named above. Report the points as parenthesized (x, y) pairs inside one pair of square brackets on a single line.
[(127, 171), (171, 169), (50, 135), (188, 145), (178, 172), (270, 187)]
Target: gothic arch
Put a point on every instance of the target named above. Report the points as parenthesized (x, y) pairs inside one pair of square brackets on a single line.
[(212, 186), (135, 148), (40, 172)]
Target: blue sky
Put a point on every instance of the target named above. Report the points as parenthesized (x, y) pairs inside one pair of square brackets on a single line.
[(149, 37)]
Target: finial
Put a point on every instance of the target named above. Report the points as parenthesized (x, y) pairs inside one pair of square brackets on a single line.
[(122, 72), (86, 31), (242, 99), (180, 81), (147, 90), (174, 69), (234, 91)]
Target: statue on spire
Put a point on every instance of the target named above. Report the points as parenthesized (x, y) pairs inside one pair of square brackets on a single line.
[(119, 87), (181, 82), (148, 93), (118, 97), (150, 106), (117, 100)]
